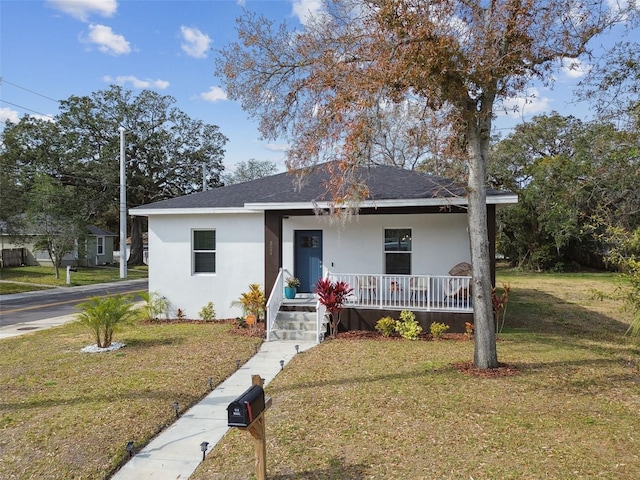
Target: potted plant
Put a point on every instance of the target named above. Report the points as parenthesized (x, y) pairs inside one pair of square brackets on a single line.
[(291, 288)]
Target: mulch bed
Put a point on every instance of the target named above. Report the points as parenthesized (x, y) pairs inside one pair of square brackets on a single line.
[(373, 335), (246, 331), (468, 368)]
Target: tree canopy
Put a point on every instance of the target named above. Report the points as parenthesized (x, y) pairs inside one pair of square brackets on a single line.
[(322, 87), (250, 170), (165, 152), (575, 181)]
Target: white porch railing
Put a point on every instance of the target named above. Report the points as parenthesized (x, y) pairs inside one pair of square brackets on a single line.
[(411, 292), (273, 304), (440, 293)]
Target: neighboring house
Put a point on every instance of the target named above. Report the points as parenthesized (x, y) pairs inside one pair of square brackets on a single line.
[(396, 254), (18, 249)]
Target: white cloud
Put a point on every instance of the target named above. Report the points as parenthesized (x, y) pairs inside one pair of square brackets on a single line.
[(81, 9), (277, 147), (305, 9), (107, 41), (530, 103), (214, 94), (241, 2), (7, 114), (195, 42), (619, 7), (574, 68), (136, 82)]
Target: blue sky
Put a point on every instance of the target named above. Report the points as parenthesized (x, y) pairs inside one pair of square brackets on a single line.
[(53, 49)]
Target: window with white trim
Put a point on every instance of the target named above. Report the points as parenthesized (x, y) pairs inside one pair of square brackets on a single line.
[(204, 251), (100, 245), (397, 251)]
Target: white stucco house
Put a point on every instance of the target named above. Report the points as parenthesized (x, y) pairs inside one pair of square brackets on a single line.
[(396, 253)]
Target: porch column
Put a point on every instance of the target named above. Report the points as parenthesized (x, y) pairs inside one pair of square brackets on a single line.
[(272, 248)]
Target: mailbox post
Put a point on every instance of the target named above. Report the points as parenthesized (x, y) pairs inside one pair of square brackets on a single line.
[(247, 413)]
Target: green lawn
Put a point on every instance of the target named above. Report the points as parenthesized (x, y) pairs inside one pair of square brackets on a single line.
[(347, 409), (65, 414), (37, 278), (393, 409)]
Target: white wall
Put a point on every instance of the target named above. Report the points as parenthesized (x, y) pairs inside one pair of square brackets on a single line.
[(439, 241), (239, 261)]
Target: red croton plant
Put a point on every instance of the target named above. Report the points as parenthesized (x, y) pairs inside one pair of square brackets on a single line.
[(332, 295)]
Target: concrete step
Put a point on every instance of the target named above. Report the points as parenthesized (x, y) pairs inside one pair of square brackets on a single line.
[(295, 325), (297, 335), (295, 320)]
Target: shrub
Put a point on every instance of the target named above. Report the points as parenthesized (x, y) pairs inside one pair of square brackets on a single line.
[(252, 302), (103, 315), (155, 305), (468, 329), (438, 329), (208, 312), (500, 304), (332, 295), (386, 326), (407, 326)]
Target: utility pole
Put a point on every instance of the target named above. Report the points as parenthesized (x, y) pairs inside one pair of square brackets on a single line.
[(204, 177), (123, 209)]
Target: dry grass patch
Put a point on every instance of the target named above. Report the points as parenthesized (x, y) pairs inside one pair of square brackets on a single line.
[(67, 414), (366, 408)]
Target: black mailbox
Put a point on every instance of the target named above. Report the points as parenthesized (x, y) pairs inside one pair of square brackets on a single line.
[(246, 408)]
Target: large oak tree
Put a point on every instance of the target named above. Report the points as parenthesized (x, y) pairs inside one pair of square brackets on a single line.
[(318, 86), (165, 153)]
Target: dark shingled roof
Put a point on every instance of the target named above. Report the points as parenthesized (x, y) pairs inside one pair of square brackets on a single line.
[(384, 182)]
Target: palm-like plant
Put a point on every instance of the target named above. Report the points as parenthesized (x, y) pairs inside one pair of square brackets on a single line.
[(104, 315), (253, 302), (332, 295)]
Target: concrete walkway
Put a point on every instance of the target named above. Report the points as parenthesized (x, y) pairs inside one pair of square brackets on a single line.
[(175, 453)]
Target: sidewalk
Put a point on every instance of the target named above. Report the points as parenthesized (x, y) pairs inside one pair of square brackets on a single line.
[(27, 327), (175, 453)]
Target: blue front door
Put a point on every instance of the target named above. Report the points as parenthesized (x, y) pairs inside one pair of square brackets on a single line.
[(308, 258)]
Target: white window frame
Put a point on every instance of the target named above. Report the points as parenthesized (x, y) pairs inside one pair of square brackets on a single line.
[(194, 252), (100, 242)]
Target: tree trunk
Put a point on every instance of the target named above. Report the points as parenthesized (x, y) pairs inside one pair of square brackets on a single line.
[(136, 254), (485, 352)]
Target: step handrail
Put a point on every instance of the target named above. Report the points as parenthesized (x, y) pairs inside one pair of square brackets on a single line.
[(276, 297)]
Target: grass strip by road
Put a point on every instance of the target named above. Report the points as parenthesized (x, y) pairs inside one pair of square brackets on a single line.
[(24, 279)]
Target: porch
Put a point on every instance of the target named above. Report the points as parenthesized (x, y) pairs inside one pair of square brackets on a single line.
[(430, 297)]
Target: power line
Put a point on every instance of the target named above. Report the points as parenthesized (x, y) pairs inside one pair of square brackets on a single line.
[(25, 108), (3, 80)]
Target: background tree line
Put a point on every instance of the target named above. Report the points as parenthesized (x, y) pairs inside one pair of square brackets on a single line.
[(59, 175), (577, 183)]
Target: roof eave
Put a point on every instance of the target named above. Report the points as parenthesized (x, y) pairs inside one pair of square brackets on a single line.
[(264, 206), (146, 212)]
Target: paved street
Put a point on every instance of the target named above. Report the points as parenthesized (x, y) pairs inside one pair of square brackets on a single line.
[(29, 307)]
